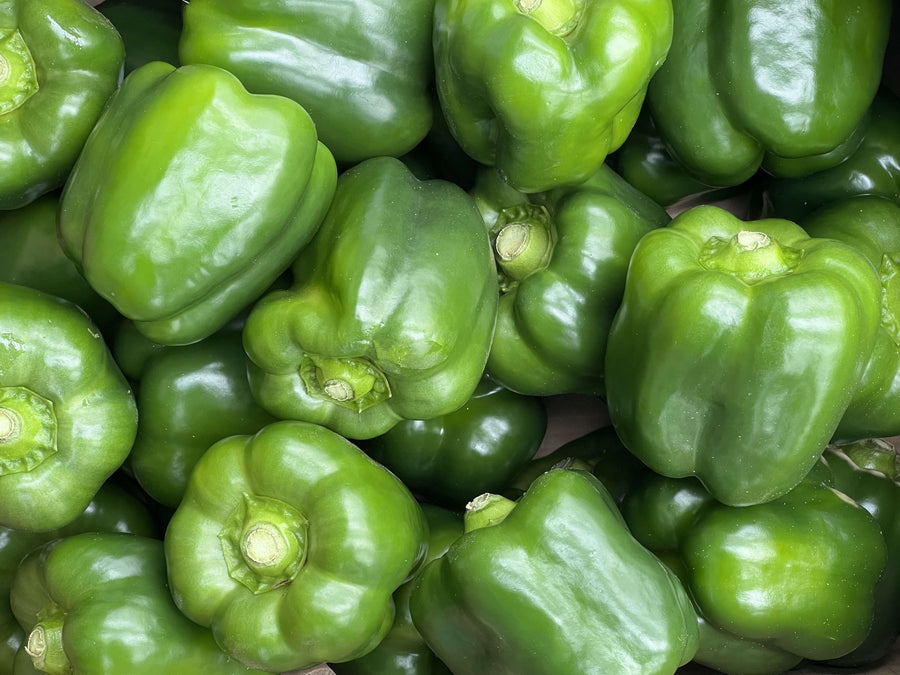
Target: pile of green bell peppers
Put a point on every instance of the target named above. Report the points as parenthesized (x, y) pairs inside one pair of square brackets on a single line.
[(433, 337)]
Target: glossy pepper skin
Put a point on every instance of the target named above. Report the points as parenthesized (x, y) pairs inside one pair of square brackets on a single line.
[(751, 573), (782, 84), (871, 225), (175, 247), (31, 255), (113, 509), (188, 398), (60, 61), (361, 69), (453, 458), (544, 91), (587, 598), (561, 256), (289, 545), (67, 415), (714, 310), (98, 603), (403, 651), (868, 471), (392, 309), (872, 169)]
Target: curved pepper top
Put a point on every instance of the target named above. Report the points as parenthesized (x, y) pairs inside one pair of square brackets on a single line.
[(545, 89), (785, 82)]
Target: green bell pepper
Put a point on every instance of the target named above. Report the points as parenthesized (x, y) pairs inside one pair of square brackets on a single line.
[(150, 29), (392, 309), (453, 458), (545, 90), (31, 255), (872, 226), (289, 544), (361, 69), (98, 603), (789, 579), (403, 651), (599, 451), (874, 168), (60, 60), (67, 415), (174, 246), (561, 257), (113, 509), (779, 83), (737, 349), (553, 583), (868, 472), (188, 398), (646, 163)]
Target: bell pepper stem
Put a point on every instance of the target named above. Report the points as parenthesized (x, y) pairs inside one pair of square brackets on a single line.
[(875, 454), (749, 256), (524, 239), (28, 429), (352, 382), (264, 542), (45, 647), (558, 17), (486, 510), (18, 75)]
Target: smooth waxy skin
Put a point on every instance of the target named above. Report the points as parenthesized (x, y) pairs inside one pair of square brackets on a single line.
[(289, 544), (753, 81), (30, 255), (868, 472), (802, 570), (562, 258), (403, 651), (113, 509), (107, 593), (455, 457), (871, 225), (175, 247), (361, 69), (773, 583), (60, 61), (391, 313), (558, 585), (734, 356), (545, 93), (67, 415), (188, 398), (872, 169)]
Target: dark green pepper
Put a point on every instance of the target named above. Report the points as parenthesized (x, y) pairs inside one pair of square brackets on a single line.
[(873, 168), (67, 415), (150, 29), (403, 651), (790, 579), (98, 603), (537, 89), (453, 458), (290, 543), (561, 256), (871, 225), (60, 60), (737, 349), (188, 398), (31, 255), (174, 246), (392, 309), (553, 583), (868, 472), (599, 451), (780, 83), (362, 70)]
